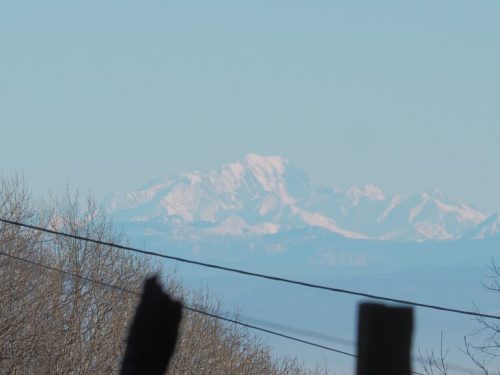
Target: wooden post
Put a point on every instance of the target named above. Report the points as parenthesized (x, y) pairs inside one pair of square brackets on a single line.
[(153, 332), (384, 339)]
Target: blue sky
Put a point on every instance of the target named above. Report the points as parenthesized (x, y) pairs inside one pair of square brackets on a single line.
[(109, 95)]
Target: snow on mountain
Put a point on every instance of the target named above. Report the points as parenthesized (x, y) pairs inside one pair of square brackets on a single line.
[(263, 195), (429, 215), (488, 228), (355, 194)]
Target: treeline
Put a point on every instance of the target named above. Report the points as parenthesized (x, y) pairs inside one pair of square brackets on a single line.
[(54, 323)]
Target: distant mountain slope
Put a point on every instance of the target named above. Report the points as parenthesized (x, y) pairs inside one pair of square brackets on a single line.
[(263, 195), (488, 228)]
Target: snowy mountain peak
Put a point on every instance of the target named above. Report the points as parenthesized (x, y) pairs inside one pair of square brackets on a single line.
[(434, 193), (372, 192), (271, 164), (262, 195)]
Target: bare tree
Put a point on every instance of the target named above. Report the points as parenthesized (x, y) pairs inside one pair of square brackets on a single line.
[(432, 363), (52, 322), (483, 346)]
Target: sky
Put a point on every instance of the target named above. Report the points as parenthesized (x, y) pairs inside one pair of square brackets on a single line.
[(109, 95)]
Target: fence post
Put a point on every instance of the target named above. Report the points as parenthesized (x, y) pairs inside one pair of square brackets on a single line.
[(384, 339), (153, 332)]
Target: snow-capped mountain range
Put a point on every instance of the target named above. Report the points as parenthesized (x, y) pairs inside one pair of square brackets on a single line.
[(263, 195)]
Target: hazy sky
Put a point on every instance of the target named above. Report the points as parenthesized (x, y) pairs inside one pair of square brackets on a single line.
[(108, 95)]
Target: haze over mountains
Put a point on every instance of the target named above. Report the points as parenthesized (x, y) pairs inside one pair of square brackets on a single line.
[(265, 195), (265, 214)]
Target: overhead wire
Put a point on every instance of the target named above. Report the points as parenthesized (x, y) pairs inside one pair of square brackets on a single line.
[(184, 306), (299, 331), (255, 274), (230, 320)]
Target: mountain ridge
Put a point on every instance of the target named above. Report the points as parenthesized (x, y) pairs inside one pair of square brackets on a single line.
[(262, 195)]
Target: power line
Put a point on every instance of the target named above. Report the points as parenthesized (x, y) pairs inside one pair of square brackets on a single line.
[(229, 320), (272, 332), (299, 331), (255, 274), (185, 307)]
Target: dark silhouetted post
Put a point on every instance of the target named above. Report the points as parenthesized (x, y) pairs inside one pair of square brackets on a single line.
[(384, 339), (153, 333)]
